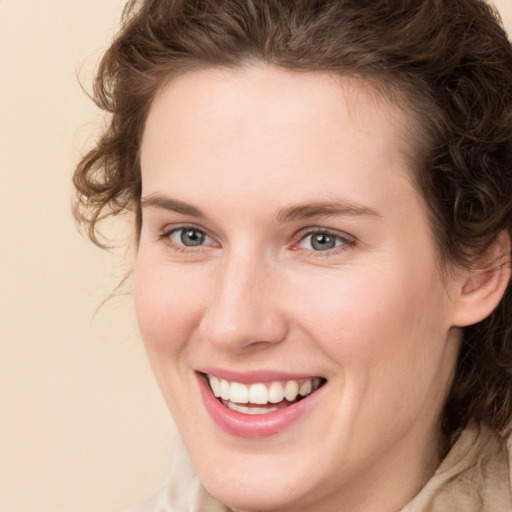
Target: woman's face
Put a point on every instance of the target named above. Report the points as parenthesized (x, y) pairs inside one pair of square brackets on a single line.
[(283, 249)]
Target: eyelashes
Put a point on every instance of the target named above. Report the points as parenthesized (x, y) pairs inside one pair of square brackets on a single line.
[(322, 240), (316, 241), (187, 238)]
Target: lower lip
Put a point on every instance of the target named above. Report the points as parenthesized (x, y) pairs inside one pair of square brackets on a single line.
[(253, 426)]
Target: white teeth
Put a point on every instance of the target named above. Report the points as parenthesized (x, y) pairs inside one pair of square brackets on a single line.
[(225, 389), (261, 394), (258, 394), (239, 393), (250, 410), (215, 385), (275, 393), (291, 390), (306, 388)]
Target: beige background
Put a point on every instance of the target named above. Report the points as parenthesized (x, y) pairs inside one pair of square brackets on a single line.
[(82, 426)]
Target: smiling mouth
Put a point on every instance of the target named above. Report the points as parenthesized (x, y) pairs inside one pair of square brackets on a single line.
[(262, 398)]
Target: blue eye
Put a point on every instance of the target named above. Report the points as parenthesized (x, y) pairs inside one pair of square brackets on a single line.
[(189, 237), (321, 241)]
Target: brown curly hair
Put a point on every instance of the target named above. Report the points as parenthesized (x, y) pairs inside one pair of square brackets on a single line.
[(448, 61)]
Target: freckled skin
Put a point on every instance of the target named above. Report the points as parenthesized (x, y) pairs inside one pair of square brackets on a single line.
[(370, 314)]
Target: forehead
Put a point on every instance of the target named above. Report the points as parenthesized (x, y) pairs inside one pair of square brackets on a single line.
[(267, 106), (252, 133), (213, 91)]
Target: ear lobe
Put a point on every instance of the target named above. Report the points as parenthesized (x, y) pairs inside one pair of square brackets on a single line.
[(481, 288)]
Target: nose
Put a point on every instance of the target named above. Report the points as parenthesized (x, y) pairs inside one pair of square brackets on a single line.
[(244, 310)]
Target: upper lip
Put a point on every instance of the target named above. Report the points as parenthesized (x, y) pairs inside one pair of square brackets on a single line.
[(254, 376)]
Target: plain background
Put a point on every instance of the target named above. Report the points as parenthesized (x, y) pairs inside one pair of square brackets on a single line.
[(82, 424)]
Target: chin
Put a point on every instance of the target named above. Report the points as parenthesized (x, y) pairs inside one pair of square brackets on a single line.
[(255, 493), (259, 481)]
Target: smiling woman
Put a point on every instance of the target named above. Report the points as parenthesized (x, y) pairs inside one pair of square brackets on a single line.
[(322, 199)]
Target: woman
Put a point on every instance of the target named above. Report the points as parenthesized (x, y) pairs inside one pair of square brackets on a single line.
[(322, 193)]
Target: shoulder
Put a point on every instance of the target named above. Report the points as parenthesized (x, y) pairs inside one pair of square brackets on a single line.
[(474, 476), (182, 490)]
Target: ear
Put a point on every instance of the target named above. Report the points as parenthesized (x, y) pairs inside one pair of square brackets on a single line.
[(480, 288)]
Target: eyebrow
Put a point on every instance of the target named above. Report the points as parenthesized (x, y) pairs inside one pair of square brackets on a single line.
[(324, 209), (173, 205), (289, 213)]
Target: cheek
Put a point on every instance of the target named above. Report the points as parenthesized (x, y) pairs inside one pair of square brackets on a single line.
[(168, 305), (386, 340), (168, 308), (383, 328)]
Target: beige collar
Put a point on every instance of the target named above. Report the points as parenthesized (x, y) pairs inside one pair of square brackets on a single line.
[(474, 477)]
